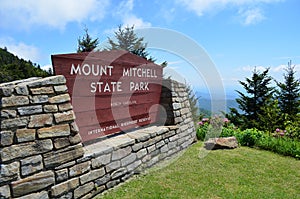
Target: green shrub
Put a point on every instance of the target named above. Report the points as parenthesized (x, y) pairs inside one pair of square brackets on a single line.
[(293, 129), (201, 132), (212, 127), (228, 131), (282, 145), (249, 137)]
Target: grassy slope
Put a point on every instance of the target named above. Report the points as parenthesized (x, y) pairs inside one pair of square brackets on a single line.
[(240, 173)]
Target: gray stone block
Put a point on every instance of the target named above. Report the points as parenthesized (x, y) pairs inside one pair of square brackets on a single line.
[(64, 117), (101, 160), (26, 149), (33, 183), (39, 195), (120, 141), (61, 142), (5, 192), (151, 148), (14, 123), (50, 108), (92, 175), (141, 153), (61, 89), (55, 158), (25, 135), (58, 99), (9, 172), (21, 89), (118, 173), (129, 159), (61, 175), (83, 190), (40, 120), (38, 99), (31, 165), (65, 107), (29, 110), (42, 90), (6, 138), (6, 91), (121, 153), (64, 187), (54, 131), (14, 101), (103, 180), (160, 144), (53, 80), (79, 169), (134, 165), (113, 166), (8, 114)]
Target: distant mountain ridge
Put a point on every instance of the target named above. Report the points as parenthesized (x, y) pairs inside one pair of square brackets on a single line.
[(13, 68), (205, 102)]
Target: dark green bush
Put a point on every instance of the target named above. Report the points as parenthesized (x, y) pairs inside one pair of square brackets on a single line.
[(228, 131), (282, 145), (201, 132), (249, 137)]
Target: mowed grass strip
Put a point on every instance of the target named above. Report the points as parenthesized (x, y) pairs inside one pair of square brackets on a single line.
[(240, 173)]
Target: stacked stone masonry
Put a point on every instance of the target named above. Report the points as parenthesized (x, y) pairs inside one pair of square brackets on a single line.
[(42, 156)]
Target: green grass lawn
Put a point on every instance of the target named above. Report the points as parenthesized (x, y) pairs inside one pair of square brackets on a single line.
[(239, 173)]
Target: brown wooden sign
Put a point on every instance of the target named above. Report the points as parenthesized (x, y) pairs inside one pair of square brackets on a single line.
[(111, 91)]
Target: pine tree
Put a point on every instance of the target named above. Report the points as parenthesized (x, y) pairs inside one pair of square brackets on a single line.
[(126, 39), (258, 92), (193, 100), (270, 117), (12, 68), (87, 44), (288, 94)]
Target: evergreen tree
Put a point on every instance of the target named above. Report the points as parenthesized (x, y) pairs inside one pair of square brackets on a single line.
[(12, 68), (288, 94), (270, 117), (87, 44), (193, 100), (126, 39), (258, 92)]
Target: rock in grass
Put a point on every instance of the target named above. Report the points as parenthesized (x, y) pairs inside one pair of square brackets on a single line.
[(221, 143)]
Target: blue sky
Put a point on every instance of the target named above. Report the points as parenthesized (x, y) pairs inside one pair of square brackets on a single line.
[(237, 35)]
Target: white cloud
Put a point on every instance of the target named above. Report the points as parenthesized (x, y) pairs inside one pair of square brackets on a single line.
[(275, 71), (251, 68), (249, 10), (251, 16), (137, 22), (55, 13), (22, 50), (125, 13), (279, 68)]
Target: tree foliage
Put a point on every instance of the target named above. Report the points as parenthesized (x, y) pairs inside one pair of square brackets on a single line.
[(257, 93), (270, 117), (127, 39), (288, 94), (12, 68), (193, 100), (87, 43)]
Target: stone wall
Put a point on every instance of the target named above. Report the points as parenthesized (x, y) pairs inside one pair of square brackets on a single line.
[(42, 155)]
